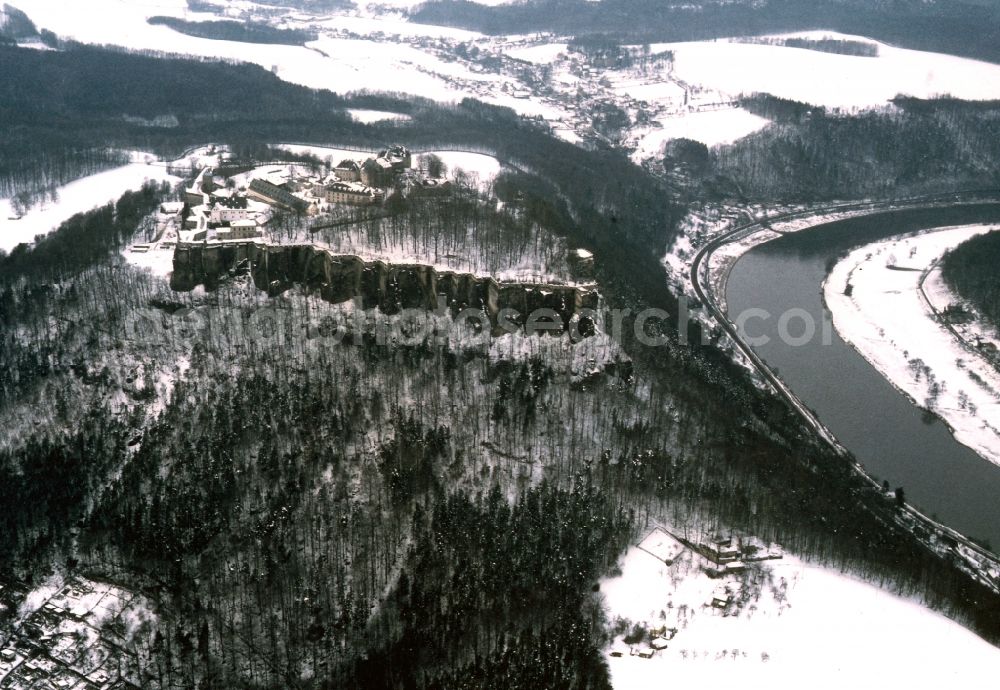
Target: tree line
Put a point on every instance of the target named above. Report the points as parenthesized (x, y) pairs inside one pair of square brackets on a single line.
[(243, 32), (823, 45), (956, 28), (971, 271)]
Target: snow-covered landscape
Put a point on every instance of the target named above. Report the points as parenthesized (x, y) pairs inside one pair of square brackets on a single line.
[(294, 543), (883, 306), (689, 93), (778, 622)]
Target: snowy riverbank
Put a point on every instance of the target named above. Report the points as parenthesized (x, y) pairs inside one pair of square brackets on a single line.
[(886, 316)]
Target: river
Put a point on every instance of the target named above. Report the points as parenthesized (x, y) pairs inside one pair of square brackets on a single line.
[(889, 435)]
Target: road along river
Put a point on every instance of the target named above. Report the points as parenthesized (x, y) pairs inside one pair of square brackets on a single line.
[(889, 435)]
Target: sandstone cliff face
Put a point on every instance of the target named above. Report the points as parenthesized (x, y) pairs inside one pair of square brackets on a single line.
[(390, 287)]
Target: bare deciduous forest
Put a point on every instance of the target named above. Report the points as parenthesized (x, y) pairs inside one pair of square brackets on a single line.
[(310, 511), (971, 270)]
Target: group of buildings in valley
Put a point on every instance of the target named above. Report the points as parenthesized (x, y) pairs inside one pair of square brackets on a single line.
[(724, 559), (81, 637), (235, 201)]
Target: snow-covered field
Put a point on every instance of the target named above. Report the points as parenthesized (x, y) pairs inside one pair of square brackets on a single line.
[(888, 320), (710, 127), (158, 260), (800, 625), (342, 70), (542, 54), (76, 197), (356, 64), (484, 168), (364, 115), (827, 79)]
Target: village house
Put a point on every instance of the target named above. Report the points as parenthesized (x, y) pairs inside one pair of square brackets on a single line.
[(646, 653), (724, 595), (377, 172), (271, 194), (239, 230), (171, 208), (351, 193), (720, 598), (431, 187), (348, 170), (397, 156), (230, 209), (658, 643), (663, 632), (279, 177), (721, 550)]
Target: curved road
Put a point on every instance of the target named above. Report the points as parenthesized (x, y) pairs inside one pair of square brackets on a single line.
[(704, 294)]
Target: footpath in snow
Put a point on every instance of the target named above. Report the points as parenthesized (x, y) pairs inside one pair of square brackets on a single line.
[(881, 298)]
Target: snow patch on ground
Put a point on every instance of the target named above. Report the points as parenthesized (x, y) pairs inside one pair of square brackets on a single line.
[(888, 320), (38, 596), (347, 65), (365, 51), (678, 259), (158, 260), (795, 620)]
